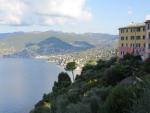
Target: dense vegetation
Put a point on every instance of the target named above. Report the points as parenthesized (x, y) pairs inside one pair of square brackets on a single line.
[(113, 86)]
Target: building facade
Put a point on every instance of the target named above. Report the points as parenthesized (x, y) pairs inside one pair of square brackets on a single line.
[(135, 39)]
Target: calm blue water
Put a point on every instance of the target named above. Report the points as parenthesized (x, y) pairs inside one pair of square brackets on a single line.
[(23, 83)]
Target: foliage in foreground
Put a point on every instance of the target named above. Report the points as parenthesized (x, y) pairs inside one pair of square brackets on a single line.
[(113, 86)]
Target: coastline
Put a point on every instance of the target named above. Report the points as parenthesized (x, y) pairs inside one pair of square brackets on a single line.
[(59, 64), (76, 71)]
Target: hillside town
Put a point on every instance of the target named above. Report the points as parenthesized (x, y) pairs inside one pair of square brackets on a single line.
[(81, 57)]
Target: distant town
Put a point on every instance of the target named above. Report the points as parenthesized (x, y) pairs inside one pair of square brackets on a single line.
[(81, 57)]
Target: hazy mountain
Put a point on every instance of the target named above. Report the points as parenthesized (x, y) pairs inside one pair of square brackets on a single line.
[(7, 35), (51, 46), (83, 44), (51, 42)]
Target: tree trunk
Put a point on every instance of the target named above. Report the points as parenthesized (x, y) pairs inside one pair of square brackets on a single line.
[(73, 76)]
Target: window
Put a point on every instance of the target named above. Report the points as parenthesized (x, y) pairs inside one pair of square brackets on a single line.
[(139, 45), (148, 26), (148, 46), (122, 30), (143, 28), (123, 52), (126, 38), (149, 35), (132, 37), (122, 38), (138, 38), (122, 44), (133, 45), (144, 45), (126, 30), (136, 45), (143, 37), (138, 29)]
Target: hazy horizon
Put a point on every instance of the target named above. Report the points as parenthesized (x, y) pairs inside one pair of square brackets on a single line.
[(55, 31)]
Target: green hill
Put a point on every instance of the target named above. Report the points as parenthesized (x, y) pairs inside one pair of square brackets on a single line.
[(18, 41), (51, 46), (113, 86)]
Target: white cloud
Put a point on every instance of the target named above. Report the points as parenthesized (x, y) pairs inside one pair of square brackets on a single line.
[(11, 11), (43, 12), (147, 17)]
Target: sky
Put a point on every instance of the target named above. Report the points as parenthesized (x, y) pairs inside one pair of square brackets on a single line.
[(80, 16)]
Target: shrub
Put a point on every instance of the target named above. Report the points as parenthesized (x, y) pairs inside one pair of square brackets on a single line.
[(142, 104), (41, 109), (119, 101), (114, 74), (88, 66), (147, 66), (78, 108), (61, 104), (63, 82), (101, 64)]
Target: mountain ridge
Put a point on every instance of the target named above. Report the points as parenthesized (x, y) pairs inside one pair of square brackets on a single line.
[(18, 41)]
